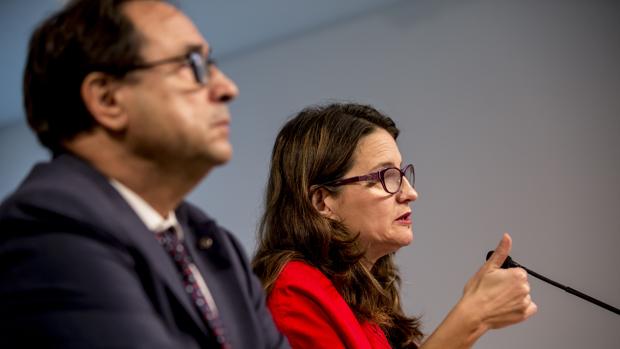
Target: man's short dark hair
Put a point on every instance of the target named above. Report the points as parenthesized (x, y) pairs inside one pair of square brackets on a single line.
[(85, 36)]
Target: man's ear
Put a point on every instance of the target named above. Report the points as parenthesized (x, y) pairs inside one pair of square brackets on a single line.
[(100, 94), (323, 202)]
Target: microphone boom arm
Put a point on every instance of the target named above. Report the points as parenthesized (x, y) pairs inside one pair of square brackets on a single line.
[(510, 263)]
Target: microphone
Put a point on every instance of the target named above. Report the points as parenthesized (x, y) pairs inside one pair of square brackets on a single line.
[(510, 263)]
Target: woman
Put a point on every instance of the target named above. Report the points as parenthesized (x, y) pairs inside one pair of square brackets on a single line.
[(336, 210)]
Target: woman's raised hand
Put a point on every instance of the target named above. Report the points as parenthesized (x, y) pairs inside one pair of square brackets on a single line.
[(499, 297), (492, 298)]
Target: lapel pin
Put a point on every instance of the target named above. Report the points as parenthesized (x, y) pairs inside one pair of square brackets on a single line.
[(205, 243)]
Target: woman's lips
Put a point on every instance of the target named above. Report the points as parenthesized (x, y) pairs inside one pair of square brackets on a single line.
[(404, 218)]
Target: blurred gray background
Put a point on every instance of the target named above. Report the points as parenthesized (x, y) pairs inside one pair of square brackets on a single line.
[(510, 111)]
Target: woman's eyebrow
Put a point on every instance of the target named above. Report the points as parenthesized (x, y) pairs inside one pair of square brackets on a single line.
[(383, 165)]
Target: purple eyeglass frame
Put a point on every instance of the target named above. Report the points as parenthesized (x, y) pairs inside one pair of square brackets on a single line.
[(379, 175)]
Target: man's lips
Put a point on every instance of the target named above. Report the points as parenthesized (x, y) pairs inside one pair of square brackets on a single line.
[(222, 126), (225, 123)]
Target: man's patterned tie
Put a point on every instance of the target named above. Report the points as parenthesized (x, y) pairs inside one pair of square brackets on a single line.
[(177, 250)]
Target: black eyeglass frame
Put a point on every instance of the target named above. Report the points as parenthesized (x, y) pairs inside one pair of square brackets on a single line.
[(377, 176), (199, 64)]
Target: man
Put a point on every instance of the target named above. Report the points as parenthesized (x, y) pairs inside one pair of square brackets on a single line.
[(97, 246)]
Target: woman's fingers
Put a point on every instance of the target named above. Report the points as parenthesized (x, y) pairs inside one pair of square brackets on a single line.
[(500, 297)]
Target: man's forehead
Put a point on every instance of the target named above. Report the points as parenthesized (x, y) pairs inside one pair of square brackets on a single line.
[(164, 29)]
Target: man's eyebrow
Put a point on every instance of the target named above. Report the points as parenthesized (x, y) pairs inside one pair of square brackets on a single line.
[(197, 48)]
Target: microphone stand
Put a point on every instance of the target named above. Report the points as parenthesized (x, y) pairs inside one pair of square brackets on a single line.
[(510, 263)]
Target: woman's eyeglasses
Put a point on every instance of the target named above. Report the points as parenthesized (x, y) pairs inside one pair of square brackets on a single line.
[(391, 178)]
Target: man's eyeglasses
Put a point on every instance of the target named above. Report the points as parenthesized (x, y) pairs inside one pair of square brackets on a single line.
[(198, 62), (391, 178)]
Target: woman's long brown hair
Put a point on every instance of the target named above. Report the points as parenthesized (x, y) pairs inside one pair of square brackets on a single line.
[(318, 146)]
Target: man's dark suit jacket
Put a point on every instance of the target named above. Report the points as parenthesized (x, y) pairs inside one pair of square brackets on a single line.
[(78, 268)]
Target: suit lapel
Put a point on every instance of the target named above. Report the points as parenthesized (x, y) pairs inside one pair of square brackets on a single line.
[(119, 220), (144, 240)]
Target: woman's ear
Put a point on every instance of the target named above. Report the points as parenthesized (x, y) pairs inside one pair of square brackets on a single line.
[(100, 94), (323, 202)]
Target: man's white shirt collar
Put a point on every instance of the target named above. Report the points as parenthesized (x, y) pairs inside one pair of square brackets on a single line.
[(156, 223), (151, 218)]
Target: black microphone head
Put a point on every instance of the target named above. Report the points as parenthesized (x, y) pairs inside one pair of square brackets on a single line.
[(508, 263)]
